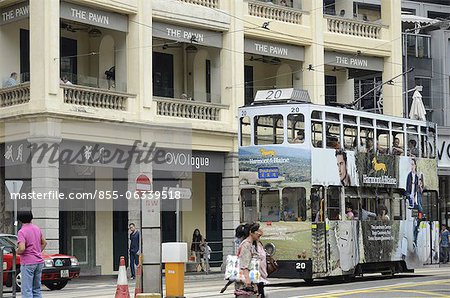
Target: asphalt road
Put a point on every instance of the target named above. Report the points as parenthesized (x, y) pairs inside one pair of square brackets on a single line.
[(429, 282)]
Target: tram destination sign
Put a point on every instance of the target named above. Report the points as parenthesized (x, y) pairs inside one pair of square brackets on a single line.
[(268, 173)]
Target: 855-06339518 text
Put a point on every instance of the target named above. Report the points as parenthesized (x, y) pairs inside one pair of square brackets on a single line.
[(99, 195)]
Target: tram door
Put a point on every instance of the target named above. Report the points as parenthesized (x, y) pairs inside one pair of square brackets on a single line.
[(318, 231), (428, 227)]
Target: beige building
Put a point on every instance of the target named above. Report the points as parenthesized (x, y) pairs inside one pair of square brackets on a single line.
[(95, 76)]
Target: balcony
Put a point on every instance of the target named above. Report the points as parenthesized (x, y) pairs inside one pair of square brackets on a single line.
[(268, 10), (15, 95), (183, 108), (353, 27), (207, 3), (95, 98)]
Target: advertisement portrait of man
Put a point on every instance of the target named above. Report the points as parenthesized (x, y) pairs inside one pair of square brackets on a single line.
[(341, 160)]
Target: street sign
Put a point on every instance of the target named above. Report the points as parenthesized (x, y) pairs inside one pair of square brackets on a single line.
[(14, 187), (183, 193), (143, 183)]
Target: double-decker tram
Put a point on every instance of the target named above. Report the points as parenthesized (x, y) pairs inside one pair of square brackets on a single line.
[(338, 192)]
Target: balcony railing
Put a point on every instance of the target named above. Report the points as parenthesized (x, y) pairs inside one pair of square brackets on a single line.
[(274, 12), (15, 95), (353, 27), (207, 3), (183, 108), (96, 98)]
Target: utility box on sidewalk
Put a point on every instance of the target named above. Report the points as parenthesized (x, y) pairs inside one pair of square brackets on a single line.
[(174, 255)]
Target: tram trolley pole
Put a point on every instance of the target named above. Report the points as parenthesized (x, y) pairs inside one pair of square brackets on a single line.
[(12, 271)]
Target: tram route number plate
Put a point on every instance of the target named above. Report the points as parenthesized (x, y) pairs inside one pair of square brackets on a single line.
[(300, 266)]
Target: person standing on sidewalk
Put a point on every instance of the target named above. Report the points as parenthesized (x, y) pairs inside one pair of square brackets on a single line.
[(444, 243), (31, 243), (134, 248)]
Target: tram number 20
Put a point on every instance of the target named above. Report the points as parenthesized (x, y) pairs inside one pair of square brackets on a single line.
[(300, 266)]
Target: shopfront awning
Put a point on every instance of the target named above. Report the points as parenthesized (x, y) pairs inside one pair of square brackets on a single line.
[(409, 18)]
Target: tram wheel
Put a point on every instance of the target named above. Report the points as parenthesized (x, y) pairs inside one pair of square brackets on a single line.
[(308, 281)]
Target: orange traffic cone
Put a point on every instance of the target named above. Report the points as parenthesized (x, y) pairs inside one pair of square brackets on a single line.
[(138, 289), (122, 282)]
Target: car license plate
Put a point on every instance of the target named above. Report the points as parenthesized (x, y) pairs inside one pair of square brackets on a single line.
[(64, 273)]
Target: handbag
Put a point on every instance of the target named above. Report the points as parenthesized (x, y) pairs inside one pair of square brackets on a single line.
[(272, 265)]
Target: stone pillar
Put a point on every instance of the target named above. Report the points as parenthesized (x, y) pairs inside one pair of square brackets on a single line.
[(150, 228), (45, 180), (314, 78), (139, 48), (44, 52), (232, 74), (345, 87), (393, 101), (230, 202)]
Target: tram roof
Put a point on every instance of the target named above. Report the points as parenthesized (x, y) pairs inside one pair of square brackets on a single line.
[(338, 108)]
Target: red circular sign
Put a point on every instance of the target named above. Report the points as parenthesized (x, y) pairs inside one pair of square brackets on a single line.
[(143, 183)]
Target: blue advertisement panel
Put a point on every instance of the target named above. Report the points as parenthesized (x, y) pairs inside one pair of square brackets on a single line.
[(274, 164)]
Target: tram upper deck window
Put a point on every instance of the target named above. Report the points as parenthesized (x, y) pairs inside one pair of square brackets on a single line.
[(383, 141), (248, 205), (316, 115), (333, 135), (431, 142), (334, 203), (245, 131), (366, 122), (293, 205), (269, 205), (350, 137), (317, 134), (366, 137), (398, 143), (296, 128), (424, 147), (269, 129)]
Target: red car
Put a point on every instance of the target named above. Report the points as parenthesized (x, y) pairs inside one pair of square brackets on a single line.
[(58, 268)]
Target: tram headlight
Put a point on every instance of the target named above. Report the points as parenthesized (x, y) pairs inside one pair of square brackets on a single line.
[(270, 249)]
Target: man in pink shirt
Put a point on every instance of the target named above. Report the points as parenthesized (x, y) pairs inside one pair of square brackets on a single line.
[(31, 243)]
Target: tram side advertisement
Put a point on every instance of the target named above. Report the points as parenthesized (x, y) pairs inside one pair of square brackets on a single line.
[(284, 169)]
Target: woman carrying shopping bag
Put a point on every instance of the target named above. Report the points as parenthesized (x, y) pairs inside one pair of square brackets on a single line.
[(249, 262)]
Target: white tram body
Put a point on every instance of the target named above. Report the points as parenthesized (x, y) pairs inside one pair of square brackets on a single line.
[(338, 191)]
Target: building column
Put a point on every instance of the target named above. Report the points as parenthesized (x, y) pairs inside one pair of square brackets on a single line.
[(232, 72), (140, 52), (314, 76), (393, 100), (45, 180), (44, 52), (150, 227), (230, 202), (345, 87)]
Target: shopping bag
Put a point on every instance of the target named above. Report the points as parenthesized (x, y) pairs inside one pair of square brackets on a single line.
[(232, 268)]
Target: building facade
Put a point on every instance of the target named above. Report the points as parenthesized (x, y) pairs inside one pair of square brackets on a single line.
[(427, 50), (95, 78)]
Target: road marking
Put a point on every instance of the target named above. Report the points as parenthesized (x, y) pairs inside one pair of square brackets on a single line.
[(426, 293), (382, 289)]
